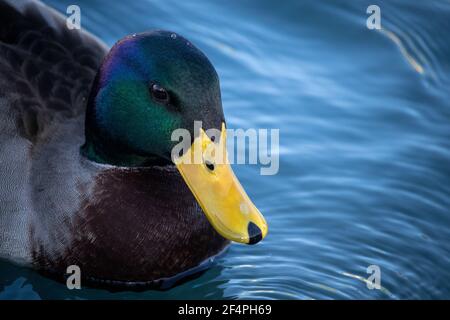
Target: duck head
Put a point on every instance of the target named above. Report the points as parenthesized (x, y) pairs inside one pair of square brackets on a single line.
[(150, 85)]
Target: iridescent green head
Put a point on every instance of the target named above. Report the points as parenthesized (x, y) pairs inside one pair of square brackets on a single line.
[(149, 85)]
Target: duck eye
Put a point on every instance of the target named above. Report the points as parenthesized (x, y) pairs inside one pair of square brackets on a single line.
[(159, 93)]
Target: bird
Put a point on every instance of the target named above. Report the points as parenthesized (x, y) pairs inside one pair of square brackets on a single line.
[(88, 176)]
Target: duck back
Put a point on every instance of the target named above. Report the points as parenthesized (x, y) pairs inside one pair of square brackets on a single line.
[(46, 71)]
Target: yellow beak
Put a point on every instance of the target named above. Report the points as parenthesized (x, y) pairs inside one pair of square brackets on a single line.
[(206, 170)]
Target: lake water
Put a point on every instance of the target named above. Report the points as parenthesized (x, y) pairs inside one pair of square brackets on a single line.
[(364, 121)]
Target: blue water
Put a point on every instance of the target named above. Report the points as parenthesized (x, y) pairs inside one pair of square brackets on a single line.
[(364, 121)]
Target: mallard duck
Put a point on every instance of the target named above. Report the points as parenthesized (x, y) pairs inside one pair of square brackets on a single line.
[(87, 172)]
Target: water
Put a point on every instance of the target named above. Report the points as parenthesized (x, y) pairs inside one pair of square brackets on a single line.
[(364, 156)]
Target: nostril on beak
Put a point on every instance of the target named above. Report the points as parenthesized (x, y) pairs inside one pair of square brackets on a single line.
[(254, 233)]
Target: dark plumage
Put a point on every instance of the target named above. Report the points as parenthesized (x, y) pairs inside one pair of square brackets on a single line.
[(159, 237)]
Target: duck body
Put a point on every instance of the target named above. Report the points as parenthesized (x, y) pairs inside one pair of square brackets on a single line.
[(128, 224)]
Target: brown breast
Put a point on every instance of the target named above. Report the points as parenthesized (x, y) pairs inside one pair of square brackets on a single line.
[(138, 225)]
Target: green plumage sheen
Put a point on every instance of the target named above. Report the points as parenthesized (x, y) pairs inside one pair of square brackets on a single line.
[(125, 124)]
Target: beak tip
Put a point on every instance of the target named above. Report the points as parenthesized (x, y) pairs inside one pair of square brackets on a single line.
[(254, 233)]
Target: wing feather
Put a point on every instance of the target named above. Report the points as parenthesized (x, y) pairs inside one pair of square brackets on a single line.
[(46, 70)]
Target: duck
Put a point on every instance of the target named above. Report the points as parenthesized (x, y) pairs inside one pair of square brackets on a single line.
[(88, 172)]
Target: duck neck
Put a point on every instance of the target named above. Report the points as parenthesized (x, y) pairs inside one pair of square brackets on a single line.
[(98, 153)]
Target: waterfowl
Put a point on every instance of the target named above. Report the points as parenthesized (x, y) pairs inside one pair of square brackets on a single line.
[(86, 169)]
